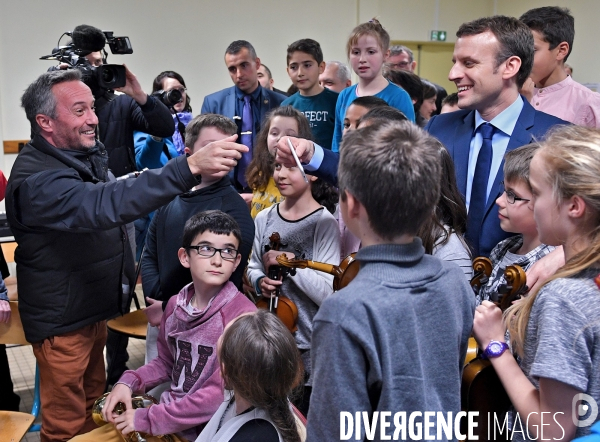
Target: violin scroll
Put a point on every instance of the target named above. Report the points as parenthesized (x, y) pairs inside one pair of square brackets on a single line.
[(482, 269), (516, 285)]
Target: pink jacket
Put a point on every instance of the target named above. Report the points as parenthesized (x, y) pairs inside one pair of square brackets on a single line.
[(187, 357)]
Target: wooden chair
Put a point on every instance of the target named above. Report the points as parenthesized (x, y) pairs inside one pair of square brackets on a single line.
[(12, 333), (14, 425), (8, 249), (133, 324)]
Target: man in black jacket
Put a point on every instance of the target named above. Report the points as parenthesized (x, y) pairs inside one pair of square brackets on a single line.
[(67, 217)]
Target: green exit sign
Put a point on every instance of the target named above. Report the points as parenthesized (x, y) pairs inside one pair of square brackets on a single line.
[(438, 36)]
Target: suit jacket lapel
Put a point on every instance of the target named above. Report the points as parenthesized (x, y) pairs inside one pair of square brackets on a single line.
[(230, 102), (461, 148), (264, 104)]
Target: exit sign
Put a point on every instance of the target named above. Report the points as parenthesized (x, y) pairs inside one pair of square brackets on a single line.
[(438, 36)]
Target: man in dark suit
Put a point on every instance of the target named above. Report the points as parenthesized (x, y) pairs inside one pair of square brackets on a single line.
[(246, 103), (492, 58)]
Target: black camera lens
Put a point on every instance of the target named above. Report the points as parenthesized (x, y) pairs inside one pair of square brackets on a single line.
[(108, 76), (172, 97)]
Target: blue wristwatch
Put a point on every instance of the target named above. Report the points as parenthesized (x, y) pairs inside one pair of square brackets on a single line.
[(494, 349)]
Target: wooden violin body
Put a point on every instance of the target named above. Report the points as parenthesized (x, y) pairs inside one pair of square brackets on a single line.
[(481, 389), (282, 306), (342, 274)]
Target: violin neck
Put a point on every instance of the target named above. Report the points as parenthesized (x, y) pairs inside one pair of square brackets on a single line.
[(323, 267)]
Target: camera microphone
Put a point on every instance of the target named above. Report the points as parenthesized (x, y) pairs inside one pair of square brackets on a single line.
[(88, 38)]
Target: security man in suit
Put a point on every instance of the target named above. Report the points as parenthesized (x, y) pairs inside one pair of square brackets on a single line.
[(492, 59), (246, 103)]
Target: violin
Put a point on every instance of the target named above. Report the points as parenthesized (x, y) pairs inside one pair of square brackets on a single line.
[(280, 305), (342, 274), (481, 389)]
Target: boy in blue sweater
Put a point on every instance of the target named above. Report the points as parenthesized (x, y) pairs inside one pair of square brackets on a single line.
[(395, 338)]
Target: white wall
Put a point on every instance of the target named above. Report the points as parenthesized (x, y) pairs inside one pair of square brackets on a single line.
[(190, 36)]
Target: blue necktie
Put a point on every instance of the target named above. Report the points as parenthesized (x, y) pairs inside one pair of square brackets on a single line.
[(246, 140), (479, 188)]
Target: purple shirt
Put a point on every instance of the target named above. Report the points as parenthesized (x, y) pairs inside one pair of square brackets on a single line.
[(570, 101)]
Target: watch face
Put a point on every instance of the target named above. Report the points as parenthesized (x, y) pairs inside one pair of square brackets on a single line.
[(495, 349)]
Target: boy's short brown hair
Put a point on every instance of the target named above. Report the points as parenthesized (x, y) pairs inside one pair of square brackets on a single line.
[(192, 130), (393, 169), (516, 163), (308, 46)]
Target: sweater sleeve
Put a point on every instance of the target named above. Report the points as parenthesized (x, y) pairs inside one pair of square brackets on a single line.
[(153, 118), (148, 151), (150, 271), (61, 200), (159, 369), (401, 101), (256, 269), (193, 409), (338, 129), (318, 285), (455, 250), (340, 375)]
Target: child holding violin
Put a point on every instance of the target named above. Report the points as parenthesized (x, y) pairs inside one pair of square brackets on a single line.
[(307, 231), (555, 330), (515, 210), (395, 338)]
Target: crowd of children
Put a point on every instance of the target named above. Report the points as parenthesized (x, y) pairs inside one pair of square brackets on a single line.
[(396, 337)]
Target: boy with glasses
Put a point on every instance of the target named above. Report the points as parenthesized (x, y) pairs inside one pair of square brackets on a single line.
[(162, 274), (187, 343), (515, 210)]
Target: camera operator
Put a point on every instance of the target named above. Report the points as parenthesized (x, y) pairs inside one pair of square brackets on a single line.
[(67, 214), (118, 117)]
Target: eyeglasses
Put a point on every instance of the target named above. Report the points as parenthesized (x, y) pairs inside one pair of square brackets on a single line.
[(227, 253), (399, 65), (510, 195)]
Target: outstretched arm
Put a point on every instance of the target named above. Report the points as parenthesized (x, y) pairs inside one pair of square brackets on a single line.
[(547, 409)]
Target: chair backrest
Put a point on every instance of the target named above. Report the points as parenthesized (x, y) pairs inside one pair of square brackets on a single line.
[(12, 332), (8, 248)]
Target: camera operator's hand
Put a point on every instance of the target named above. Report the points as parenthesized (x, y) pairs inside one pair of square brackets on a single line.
[(132, 88), (217, 158)]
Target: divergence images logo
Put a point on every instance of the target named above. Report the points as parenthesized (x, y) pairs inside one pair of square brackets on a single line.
[(585, 410)]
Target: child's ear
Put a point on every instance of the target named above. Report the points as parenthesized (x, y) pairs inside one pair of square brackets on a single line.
[(386, 55), (563, 50), (353, 205), (576, 207), (188, 151), (322, 67), (184, 257), (238, 259), (311, 178)]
